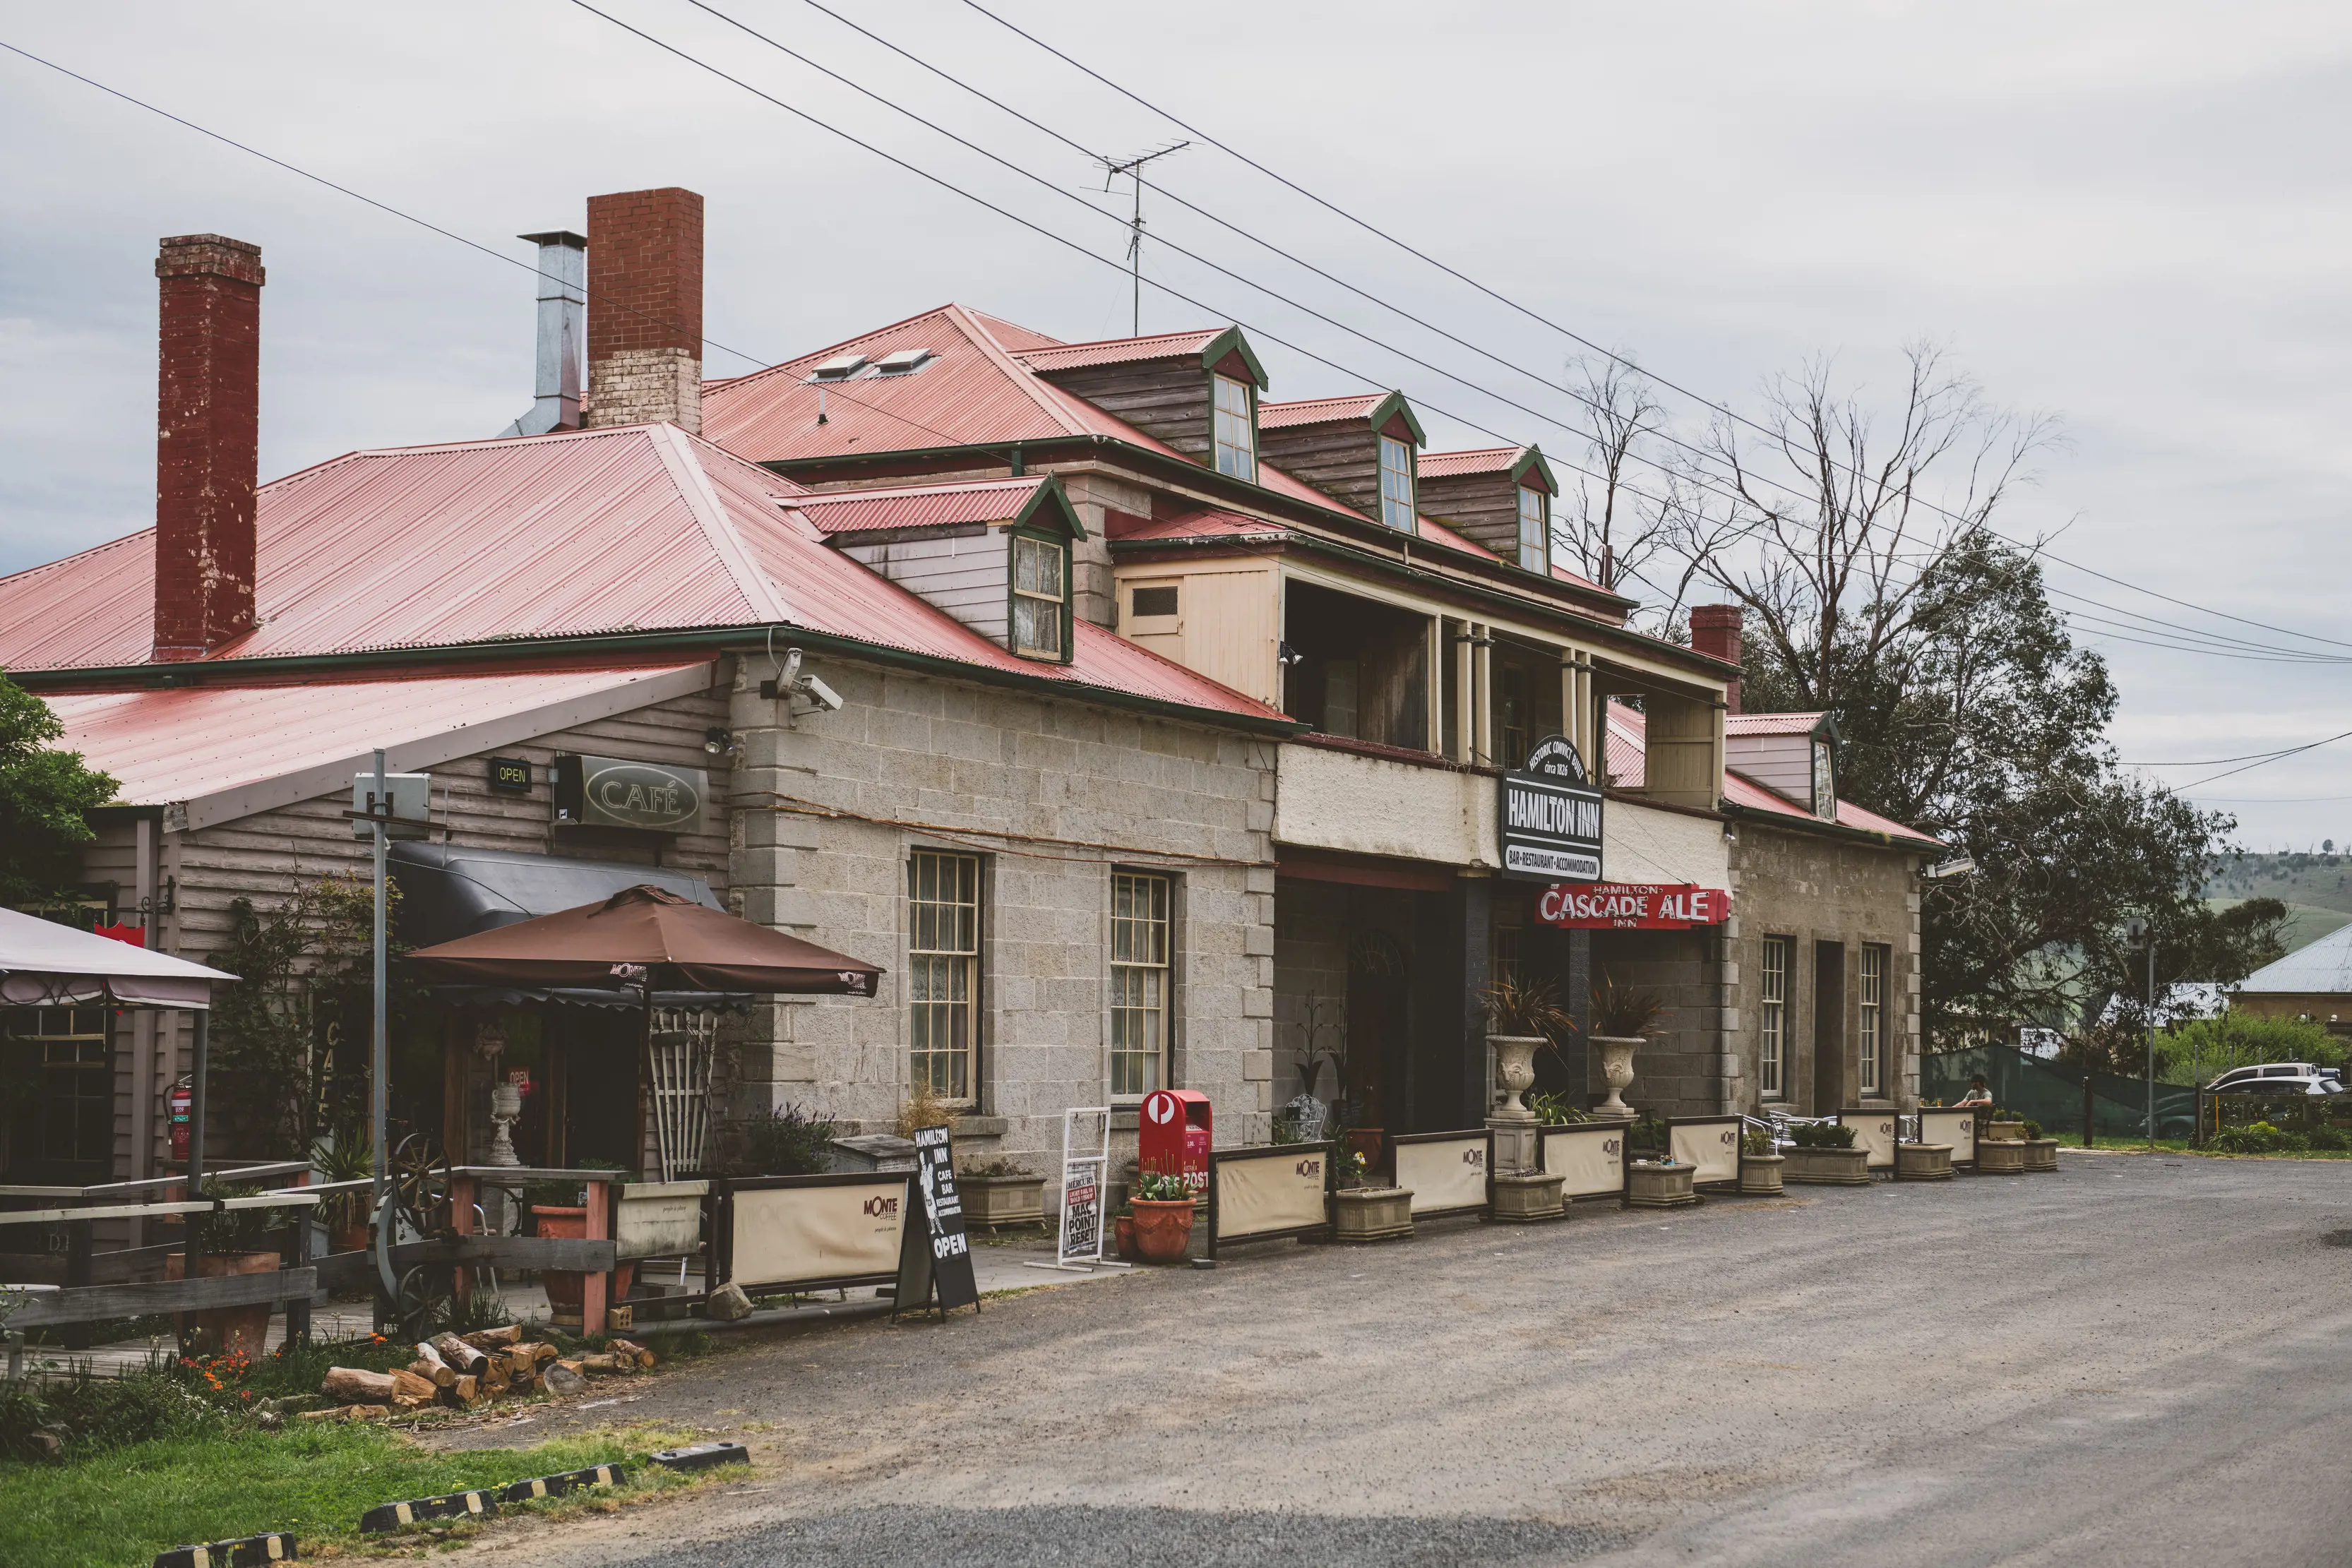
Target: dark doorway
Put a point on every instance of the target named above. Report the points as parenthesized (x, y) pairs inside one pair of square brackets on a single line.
[(1828, 1028), (1377, 1000), (1363, 668)]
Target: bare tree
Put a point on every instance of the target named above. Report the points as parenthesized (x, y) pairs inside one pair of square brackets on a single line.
[(1622, 524)]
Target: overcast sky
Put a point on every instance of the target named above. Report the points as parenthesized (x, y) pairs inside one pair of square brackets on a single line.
[(2137, 217)]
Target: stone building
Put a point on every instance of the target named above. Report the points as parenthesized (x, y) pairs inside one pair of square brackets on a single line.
[(1145, 732)]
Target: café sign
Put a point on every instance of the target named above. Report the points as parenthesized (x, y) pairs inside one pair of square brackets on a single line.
[(1633, 906), (614, 792), (1550, 826)]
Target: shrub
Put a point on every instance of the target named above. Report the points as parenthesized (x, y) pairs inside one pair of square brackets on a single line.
[(787, 1142), (2032, 1128), (2332, 1139), (1553, 1108), (2203, 1047), (1756, 1141), (1821, 1136), (1649, 1133), (2259, 1138), (1000, 1166)]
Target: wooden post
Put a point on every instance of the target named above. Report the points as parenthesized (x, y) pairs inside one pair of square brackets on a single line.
[(594, 1287), (298, 1308), (78, 1244), (193, 1224), (461, 1220), (2089, 1131)]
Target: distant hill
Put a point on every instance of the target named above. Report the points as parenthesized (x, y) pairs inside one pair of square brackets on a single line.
[(2315, 888)]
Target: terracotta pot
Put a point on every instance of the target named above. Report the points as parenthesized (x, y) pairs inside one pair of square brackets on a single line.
[(1123, 1233), (1163, 1229), (348, 1238), (564, 1286), (222, 1329)]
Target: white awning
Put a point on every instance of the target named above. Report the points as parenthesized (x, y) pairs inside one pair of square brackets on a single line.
[(46, 964)]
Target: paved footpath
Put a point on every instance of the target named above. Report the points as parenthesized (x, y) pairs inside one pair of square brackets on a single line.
[(2140, 1360)]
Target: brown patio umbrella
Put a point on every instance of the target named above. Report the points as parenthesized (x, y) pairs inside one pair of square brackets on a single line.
[(680, 944)]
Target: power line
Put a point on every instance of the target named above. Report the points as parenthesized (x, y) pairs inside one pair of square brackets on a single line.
[(2263, 762), (1567, 333)]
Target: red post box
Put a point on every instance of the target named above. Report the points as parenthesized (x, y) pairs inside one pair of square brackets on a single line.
[(1172, 1134)]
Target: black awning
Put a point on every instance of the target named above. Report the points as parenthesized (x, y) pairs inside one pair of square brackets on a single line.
[(587, 996), (447, 891)]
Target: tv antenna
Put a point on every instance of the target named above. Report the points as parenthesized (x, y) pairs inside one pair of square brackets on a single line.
[(1133, 169)]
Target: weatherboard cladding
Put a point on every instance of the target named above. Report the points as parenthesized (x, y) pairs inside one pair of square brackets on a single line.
[(1626, 763)]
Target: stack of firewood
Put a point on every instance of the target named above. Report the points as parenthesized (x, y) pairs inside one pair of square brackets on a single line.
[(468, 1370)]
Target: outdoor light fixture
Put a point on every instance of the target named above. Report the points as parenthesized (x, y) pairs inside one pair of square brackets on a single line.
[(716, 740), (1288, 654)]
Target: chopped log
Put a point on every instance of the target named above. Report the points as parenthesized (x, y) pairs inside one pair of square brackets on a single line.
[(348, 1413), (353, 1385), (527, 1356), (408, 1386), (435, 1372), (461, 1356), (412, 1402), (467, 1392), (425, 1352), (501, 1371), (491, 1339), (630, 1347), (608, 1362)]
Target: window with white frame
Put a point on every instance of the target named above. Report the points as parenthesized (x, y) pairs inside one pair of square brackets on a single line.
[(944, 970), (1535, 529), (1873, 1019), (1139, 982), (1235, 428), (1772, 1015), (1041, 597), (1396, 483)]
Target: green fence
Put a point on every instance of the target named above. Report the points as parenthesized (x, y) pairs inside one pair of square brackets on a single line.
[(2053, 1095)]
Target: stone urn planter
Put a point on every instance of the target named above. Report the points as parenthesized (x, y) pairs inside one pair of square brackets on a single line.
[(2002, 1132), (1372, 1213), (1828, 1167), (1163, 1229), (217, 1331), (1760, 1174), (2042, 1154), (2000, 1156), (1922, 1161), (1660, 1185), (1527, 1197), (994, 1202), (1515, 1066), (1617, 1068)]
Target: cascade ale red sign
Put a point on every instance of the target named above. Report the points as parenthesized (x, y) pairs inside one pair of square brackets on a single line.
[(1632, 906)]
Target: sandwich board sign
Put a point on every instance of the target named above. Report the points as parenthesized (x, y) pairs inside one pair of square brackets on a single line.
[(1085, 1161), (952, 1284)]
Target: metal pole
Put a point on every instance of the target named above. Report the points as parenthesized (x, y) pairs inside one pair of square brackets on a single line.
[(379, 1064), (2151, 1039), (193, 1245), (1135, 252)]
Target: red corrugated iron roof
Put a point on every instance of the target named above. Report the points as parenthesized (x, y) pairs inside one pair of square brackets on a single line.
[(1319, 411), (1627, 765), (1117, 351), (1772, 723), (1204, 524), (1487, 460), (165, 746), (919, 507), (642, 529), (1436, 532), (1564, 575)]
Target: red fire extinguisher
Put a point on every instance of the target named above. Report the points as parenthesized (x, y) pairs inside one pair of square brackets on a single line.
[(183, 1102)]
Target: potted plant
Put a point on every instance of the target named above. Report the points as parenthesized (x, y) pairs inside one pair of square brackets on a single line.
[(2001, 1144), (1001, 1192), (239, 1241), (1523, 1017), (1922, 1161), (2004, 1126), (1660, 1184), (1123, 1233), (1622, 1017), (347, 1156), (2041, 1153), (1760, 1163), (1363, 1212), (1163, 1216), (1823, 1153)]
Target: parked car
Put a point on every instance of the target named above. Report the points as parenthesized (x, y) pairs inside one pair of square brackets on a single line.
[(2279, 1078)]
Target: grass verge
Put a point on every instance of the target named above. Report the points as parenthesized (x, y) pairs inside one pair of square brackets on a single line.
[(2182, 1146), (123, 1505)]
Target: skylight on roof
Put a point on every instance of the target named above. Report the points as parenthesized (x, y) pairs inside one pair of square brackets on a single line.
[(902, 362), (839, 367)]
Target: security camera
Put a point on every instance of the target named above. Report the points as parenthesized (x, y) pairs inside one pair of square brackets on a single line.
[(817, 692)]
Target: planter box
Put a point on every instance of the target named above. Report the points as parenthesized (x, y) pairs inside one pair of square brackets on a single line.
[(1922, 1161), (1760, 1174), (991, 1203), (2004, 1158), (2003, 1132), (2042, 1154), (1522, 1197), (1659, 1186), (1372, 1213), (1828, 1167)]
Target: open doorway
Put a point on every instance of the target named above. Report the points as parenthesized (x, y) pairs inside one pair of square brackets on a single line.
[(1828, 1028)]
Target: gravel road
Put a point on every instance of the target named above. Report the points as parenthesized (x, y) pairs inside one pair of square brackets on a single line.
[(2138, 1360)]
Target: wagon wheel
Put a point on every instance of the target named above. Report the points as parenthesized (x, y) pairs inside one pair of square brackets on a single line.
[(421, 1303), (420, 1182)]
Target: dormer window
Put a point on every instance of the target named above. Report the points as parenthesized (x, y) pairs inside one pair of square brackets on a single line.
[(1824, 782), (1535, 529), (1041, 597), (1396, 483), (1236, 428)]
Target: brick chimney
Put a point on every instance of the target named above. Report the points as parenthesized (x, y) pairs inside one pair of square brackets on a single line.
[(1715, 632), (207, 436), (644, 309)]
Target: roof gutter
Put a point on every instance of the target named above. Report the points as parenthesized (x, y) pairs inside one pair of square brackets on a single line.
[(1733, 809), (634, 646)]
